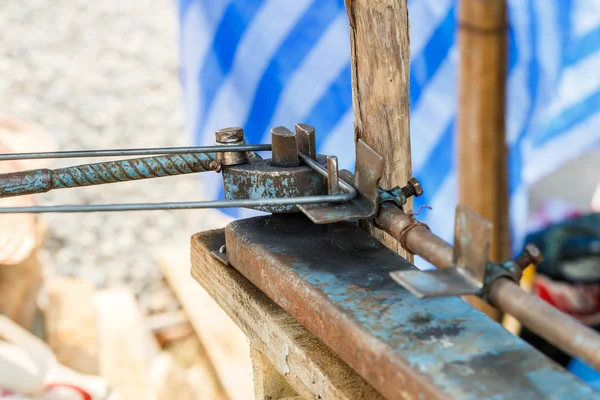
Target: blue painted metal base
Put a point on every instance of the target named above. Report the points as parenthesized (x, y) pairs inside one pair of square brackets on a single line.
[(335, 281)]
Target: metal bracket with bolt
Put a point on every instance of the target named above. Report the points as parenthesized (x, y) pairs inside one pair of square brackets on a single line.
[(296, 179)]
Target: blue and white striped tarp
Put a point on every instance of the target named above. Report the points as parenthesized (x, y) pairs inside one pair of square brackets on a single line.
[(263, 63)]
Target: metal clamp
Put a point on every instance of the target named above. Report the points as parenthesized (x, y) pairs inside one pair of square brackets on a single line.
[(472, 272), (400, 195), (368, 172), (282, 184)]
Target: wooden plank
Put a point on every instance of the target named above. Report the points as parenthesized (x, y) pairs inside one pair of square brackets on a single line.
[(169, 380), (19, 287), (482, 152), (70, 322), (380, 57), (310, 368), (225, 344), (269, 384), (201, 375), (127, 348)]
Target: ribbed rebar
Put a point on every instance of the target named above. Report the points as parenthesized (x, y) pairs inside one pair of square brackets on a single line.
[(44, 180), (128, 170)]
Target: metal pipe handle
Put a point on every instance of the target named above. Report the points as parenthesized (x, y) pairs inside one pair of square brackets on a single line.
[(556, 327)]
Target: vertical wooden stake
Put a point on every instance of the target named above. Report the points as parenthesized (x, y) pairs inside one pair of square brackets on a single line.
[(269, 384), (482, 150), (380, 89)]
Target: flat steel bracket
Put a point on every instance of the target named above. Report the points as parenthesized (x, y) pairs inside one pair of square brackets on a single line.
[(472, 238), (334, 280), (368, 172)]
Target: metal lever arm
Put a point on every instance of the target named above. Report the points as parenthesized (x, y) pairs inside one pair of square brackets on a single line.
[(556, 327), (44, 180)]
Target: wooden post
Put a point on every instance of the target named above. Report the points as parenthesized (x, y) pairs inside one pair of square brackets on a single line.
[(269, 384), (380, 83), (482, 150)]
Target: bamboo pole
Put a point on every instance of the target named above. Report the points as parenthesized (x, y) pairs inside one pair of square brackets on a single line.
[(482, 167)]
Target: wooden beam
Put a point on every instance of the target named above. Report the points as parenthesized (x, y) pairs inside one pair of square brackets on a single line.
[(225, 344), (482, 153), (19, 287), (127, 348), (268, 382), (71, 329), (380, 56), (310, 368)]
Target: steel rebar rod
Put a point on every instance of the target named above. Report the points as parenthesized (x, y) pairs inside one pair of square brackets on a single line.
[(339, 198), (43, 180), (556, 327), (132, 152)]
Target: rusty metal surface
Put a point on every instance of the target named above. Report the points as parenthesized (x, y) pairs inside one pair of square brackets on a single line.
[(44, 180), (573, 337), (220, 254), (307, 141), (467, 275), (334, 279), (259, 179), (333, 185), (400, 195), (369, 169), (472, 241), (419, 240), (445, 282), (233, 136), (284, 147), (558, 328)]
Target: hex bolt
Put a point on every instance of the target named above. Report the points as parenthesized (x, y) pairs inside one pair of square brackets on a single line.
[(229, 135), (284, 147), (531, 255), (412, 188)]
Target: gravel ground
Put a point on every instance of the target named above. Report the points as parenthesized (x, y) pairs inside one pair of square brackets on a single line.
[(103, 75)]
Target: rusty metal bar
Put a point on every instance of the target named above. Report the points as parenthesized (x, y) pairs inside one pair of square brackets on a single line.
[(556, 327), (419, 239), (553, 325), (43, 180), (335, 280), (157, 151)]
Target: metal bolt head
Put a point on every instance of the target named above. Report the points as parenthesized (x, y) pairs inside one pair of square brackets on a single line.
[(533, 253), (284, 147), (414, 183), (230, 135)]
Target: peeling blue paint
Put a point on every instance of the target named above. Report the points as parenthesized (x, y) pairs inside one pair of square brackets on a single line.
[(448, 342)]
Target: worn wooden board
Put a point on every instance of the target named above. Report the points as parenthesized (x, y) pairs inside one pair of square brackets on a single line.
[(268, 382), (380, 57), (225, 344), (310, 368), (19, 287), (126, 346), (70, 323)]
